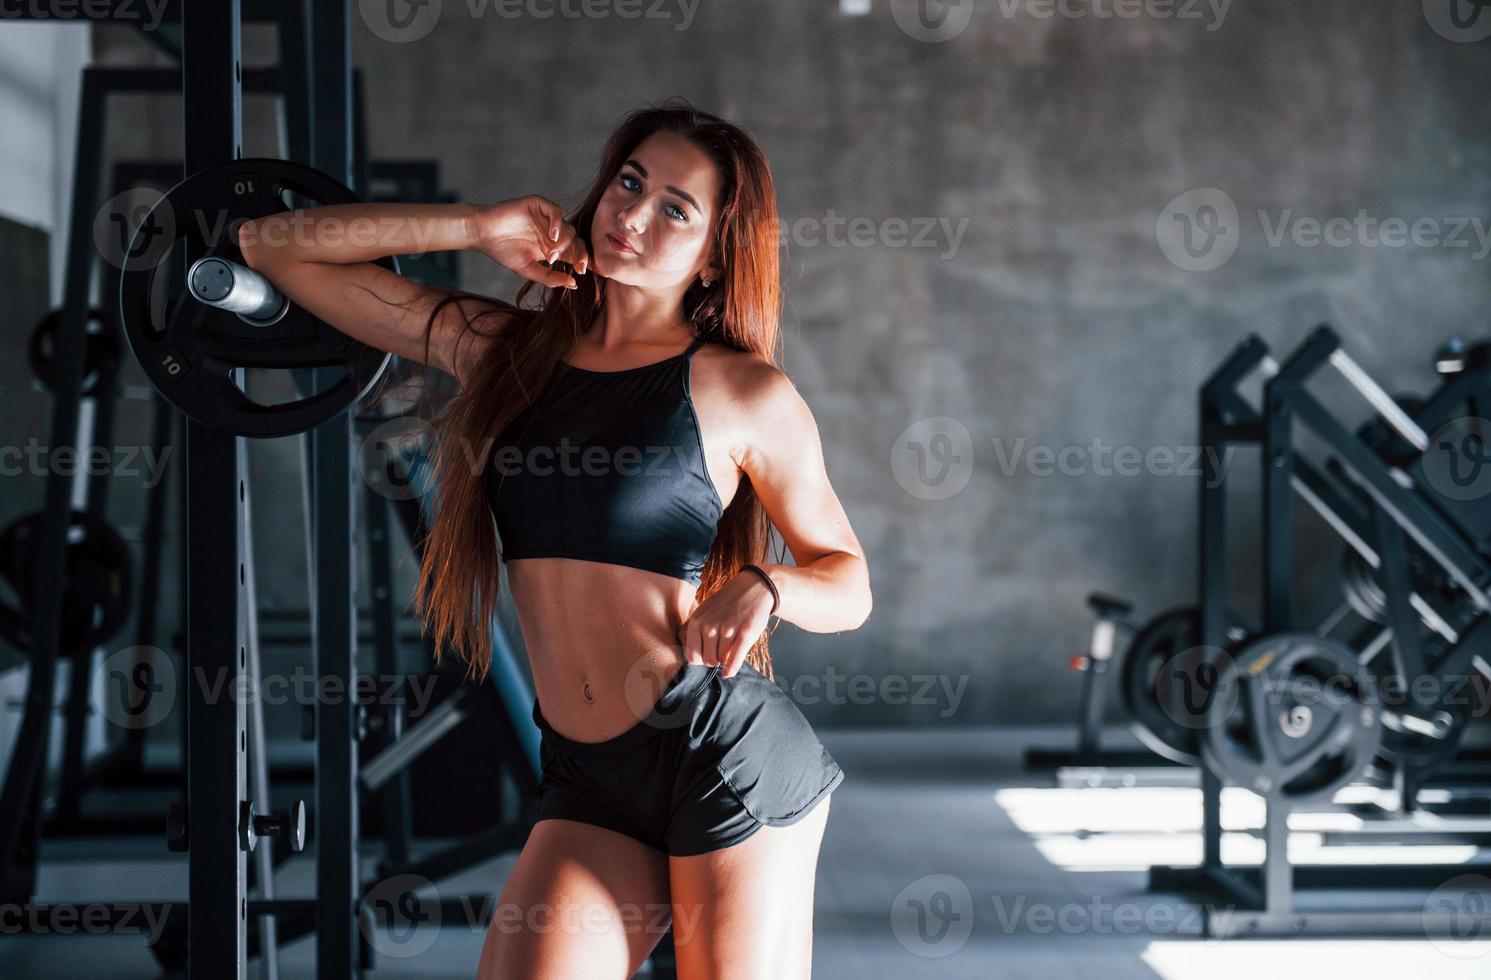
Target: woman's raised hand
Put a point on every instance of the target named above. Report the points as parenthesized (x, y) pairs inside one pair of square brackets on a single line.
[(527, 235)]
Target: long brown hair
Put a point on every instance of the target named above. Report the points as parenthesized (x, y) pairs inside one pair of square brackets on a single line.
[(460, 573)]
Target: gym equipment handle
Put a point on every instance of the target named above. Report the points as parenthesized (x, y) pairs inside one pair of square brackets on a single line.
[(1379, 399)]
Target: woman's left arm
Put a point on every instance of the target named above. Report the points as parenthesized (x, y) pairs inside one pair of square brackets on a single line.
[(828, 589)]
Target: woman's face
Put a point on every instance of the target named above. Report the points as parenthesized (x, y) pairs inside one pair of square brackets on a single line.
[(655, 222)]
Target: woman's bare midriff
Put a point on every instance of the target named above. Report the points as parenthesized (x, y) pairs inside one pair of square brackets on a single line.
[(611, 629)]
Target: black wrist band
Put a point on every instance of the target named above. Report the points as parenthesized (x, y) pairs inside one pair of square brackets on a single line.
[(776, 597)]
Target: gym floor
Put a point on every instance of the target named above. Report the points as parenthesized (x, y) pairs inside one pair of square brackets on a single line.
[(1055, 880)]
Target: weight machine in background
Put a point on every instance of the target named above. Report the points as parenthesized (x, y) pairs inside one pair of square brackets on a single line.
[(1206, 688)]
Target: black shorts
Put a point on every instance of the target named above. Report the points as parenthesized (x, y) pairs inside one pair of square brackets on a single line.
[(715, 761)]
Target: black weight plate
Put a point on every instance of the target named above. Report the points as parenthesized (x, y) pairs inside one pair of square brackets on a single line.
[(1292, 718), (188, 349), (101, 350), (98, 581), (1166, 682)]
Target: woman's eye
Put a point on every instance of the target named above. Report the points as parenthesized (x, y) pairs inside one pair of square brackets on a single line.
[(625, 178), (682, 215)]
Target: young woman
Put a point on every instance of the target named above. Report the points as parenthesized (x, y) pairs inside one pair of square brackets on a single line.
[(633, 443)]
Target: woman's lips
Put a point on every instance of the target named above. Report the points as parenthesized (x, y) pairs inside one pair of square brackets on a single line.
[(619, 245)]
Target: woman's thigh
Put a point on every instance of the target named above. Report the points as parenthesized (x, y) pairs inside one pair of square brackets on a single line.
[(747, 910), (581, 901)]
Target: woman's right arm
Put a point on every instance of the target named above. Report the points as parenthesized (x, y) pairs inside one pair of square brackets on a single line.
[(323, 259)]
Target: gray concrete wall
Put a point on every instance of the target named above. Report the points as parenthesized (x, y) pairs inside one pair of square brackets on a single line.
[(1050, 305)]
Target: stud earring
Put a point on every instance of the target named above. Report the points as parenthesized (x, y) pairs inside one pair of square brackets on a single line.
[(706, 283)]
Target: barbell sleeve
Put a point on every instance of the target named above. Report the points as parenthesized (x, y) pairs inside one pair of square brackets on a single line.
[(230, 286)]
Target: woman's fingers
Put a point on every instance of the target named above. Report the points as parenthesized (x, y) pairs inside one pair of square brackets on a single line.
[(730, 644), (547, 215), (571, 248), (557, 238), (689, 636), (546, 276)]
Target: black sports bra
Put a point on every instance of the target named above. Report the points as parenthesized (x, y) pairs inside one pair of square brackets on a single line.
[(608, 466)]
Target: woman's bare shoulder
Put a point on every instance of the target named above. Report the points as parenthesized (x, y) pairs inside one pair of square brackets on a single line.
[(742, 373)]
